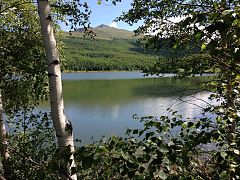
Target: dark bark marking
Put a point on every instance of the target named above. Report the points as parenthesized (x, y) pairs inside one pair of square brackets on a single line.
[(69, 127), (55, 62), (49, 18), (51, 74), (57, 135)]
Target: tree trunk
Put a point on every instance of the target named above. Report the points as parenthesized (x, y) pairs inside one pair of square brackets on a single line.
[(61, 124), (4, 144), (230, 102)]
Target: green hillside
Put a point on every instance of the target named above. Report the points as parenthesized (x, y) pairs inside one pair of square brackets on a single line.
[(106, 32), (106, 52)]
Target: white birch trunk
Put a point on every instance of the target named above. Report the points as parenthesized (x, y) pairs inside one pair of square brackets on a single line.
[(61, 124), (4, 142)]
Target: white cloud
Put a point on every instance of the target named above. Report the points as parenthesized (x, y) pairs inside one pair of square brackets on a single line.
[(113, 24)]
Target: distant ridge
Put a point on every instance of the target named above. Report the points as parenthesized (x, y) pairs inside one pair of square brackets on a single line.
[(80, 30), (104, 31), (102, 26)]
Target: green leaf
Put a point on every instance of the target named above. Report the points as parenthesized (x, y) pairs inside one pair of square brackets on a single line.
[(184, 125), (198, 36), (135, 131), (162, 175), (101, 149), (190, 124), (236, 151), (149, 134), (203, 47), (164, 150), (223, 154), (223, 175)]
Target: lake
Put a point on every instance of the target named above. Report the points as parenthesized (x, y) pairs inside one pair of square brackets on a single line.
[(103, 103)]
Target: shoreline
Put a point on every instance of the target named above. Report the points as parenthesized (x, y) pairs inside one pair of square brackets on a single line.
[(140, 71), (100, 71)]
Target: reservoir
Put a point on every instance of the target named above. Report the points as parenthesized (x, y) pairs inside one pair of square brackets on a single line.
[(103, 103)]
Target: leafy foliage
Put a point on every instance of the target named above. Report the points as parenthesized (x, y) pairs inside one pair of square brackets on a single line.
[(197, 64), (32, 146), (209, 26), (168, 148), (22, 57), (22, 65), (74, 13)]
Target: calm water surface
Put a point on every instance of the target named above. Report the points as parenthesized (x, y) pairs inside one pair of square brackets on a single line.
[(103, 103), (105, 75)]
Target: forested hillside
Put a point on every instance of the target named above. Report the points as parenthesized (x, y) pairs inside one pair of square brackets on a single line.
[(106, 51)]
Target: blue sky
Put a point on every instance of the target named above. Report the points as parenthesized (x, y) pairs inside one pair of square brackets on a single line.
[(106, 13)]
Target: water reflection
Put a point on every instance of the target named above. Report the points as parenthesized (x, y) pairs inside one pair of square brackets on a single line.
[(105, 107)]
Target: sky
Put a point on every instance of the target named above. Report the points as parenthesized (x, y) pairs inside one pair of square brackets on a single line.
[(106, 13)]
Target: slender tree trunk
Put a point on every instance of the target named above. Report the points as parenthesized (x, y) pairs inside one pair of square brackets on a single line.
[(4, 144), (61, 124), (230, 102)]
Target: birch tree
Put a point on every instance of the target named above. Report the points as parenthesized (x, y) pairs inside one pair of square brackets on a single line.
[(62, 126), (71, 13), (3, 141), (22, 69)]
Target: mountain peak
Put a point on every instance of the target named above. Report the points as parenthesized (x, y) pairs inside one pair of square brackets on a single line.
[(102, 26), (104, 31)]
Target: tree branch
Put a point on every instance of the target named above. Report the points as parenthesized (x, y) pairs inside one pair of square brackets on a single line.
[(15, 5), (194, 5)]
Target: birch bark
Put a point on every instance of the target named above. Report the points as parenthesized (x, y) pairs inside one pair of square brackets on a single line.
[(4, 143), (61, 124)]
